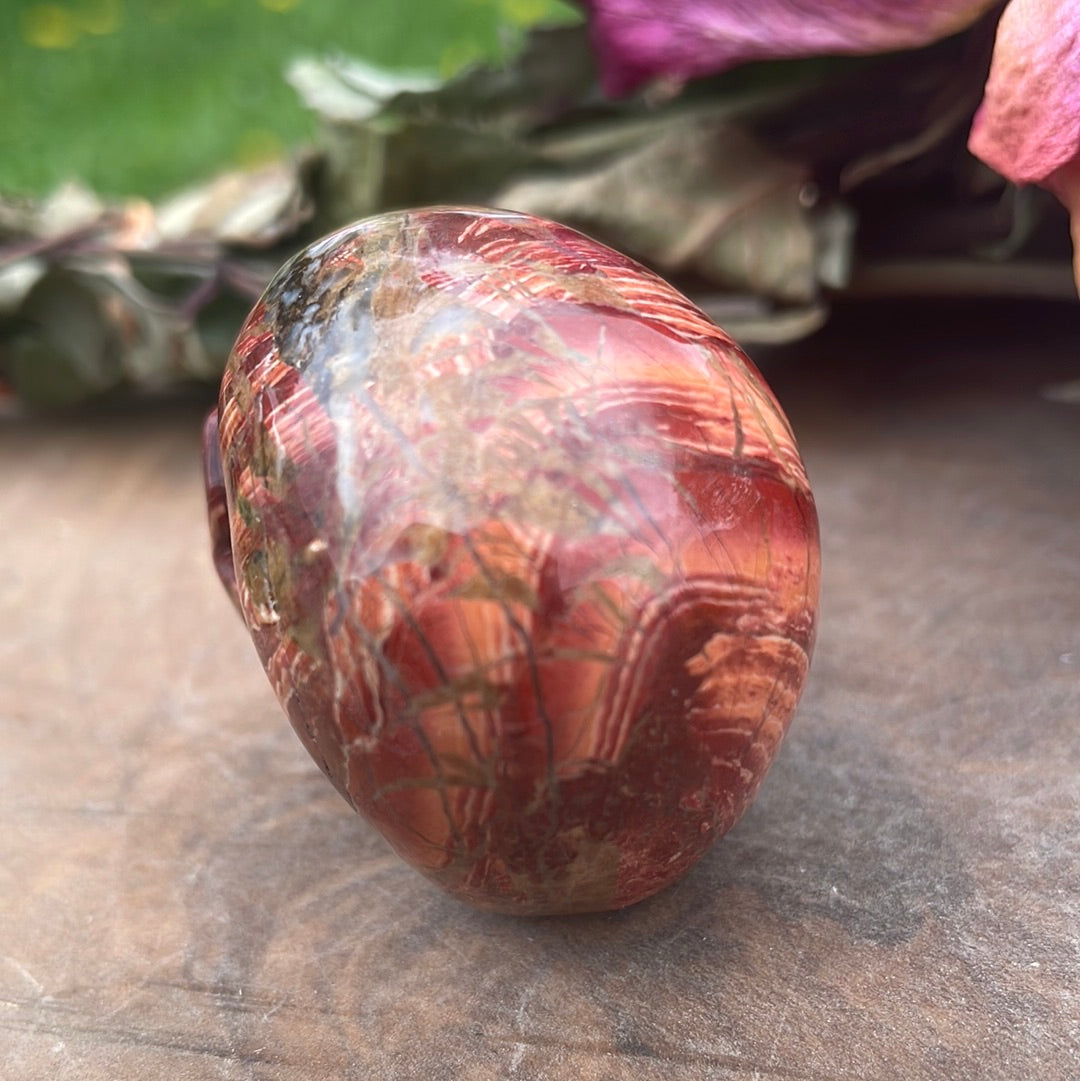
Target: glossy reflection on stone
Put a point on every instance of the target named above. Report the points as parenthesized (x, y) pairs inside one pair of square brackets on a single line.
[(526, 548)]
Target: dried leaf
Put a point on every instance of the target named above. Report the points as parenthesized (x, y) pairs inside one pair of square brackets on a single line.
[(66, 348), (347, 90), (16, 281), (752, 321), (395, 140), (368, 170), (98, 298), (91, 330), (252, 209), (696, 199), (552, 75), (70, 207)]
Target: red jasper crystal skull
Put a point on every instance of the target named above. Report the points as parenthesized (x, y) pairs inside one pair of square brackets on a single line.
[(525, 545)]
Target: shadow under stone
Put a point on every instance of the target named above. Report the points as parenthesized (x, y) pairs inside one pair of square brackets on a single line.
[(837, 833)]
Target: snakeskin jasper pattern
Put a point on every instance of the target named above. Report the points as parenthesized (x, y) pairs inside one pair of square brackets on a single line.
[(526, 548)]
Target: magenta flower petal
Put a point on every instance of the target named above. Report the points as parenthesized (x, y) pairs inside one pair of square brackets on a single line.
[(1028, 126), (639, 40)]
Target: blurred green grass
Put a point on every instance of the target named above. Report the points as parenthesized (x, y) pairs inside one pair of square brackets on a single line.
[(140, 97)]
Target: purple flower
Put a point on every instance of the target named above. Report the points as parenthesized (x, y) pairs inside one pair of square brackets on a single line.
[(639, 40)]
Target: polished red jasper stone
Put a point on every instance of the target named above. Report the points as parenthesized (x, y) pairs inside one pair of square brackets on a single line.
[(525, 545)]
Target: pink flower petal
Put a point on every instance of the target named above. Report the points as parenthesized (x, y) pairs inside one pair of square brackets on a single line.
[(639, 40), (1028, 126)]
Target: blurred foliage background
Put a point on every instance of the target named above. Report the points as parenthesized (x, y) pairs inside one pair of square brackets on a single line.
[(767, 193), (140, 97)]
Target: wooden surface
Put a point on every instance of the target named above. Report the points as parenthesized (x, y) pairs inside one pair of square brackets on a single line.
[(182, 895)]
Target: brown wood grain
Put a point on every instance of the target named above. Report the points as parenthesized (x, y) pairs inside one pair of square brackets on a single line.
[(183, 895)]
